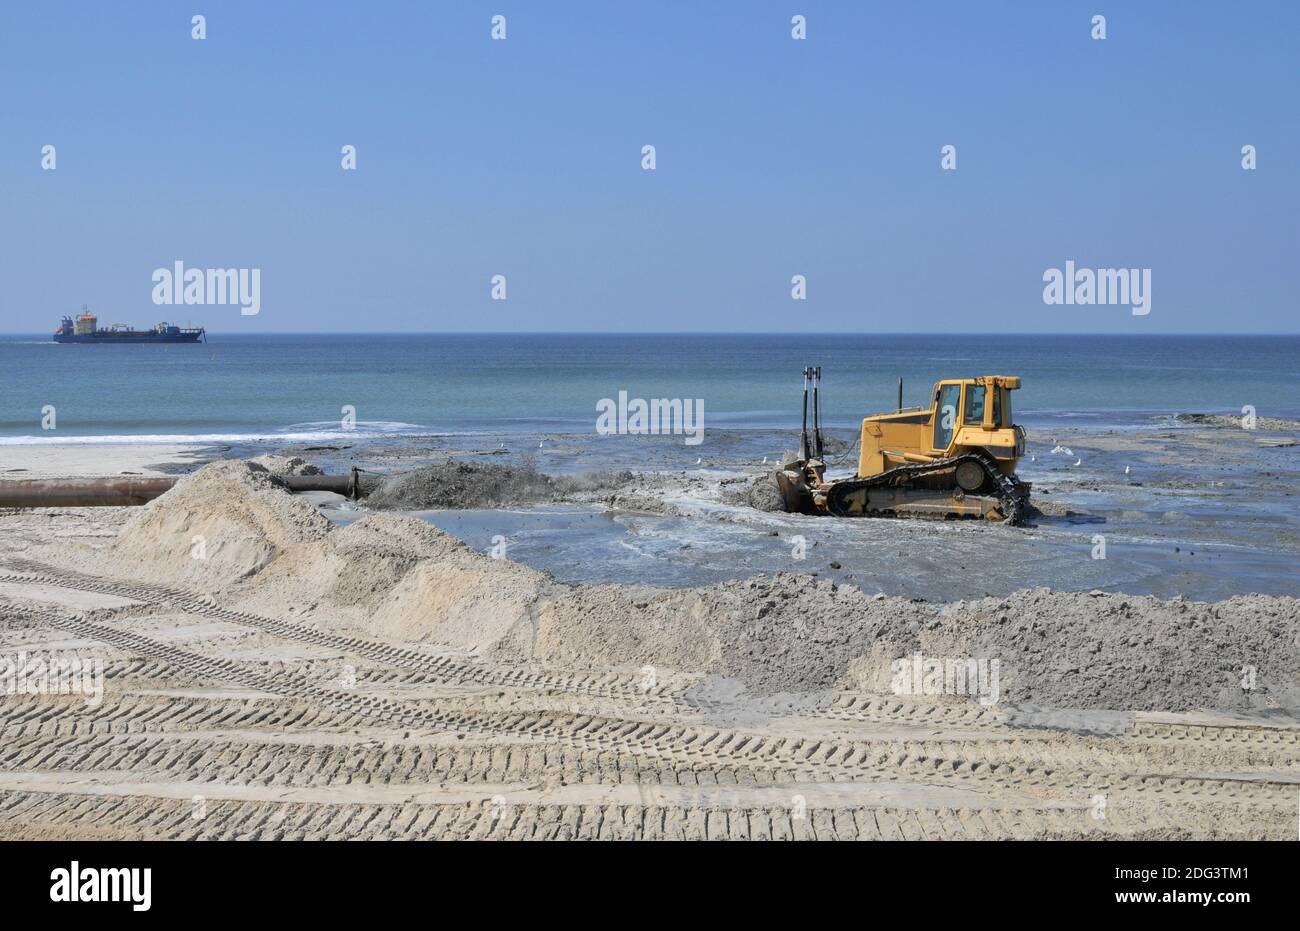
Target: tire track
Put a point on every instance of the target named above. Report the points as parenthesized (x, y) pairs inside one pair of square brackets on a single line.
[(30, 814), (445, 667), (308, 759), (712, 747), (846, 706), (128, 715)]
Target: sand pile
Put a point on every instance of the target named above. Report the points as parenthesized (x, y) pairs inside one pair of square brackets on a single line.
[(352, 567), (779, 634), (798, 634), (286, 465), (1082, 650), (1233, 421), (463, 485), (403, 579), (455, 484), (222, 523), (759, 492), (615, 625), (461, 598)]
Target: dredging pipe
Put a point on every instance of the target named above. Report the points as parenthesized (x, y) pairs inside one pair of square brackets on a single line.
[(123, 491)]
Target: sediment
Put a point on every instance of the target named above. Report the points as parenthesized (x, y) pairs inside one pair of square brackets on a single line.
[(402, 579)]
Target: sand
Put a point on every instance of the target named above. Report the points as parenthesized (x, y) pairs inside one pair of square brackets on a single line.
[(385, 679), (88, 460), (456, 484), (226, 522), (401, 578), (1266, 424)]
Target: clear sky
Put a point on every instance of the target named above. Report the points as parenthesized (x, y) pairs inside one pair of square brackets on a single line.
[(775, 157)]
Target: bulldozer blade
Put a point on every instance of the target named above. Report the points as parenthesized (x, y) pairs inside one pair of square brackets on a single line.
[(796, 496)]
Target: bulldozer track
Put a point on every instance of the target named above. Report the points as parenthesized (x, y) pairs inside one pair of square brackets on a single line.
[(697, 745), (854, 706), (846, 706), (1010, 491), (131, 715), (446, 668), (303, 760), (442, 668), (26, 813), (1023, 765), (305, 763), (1240, 735)]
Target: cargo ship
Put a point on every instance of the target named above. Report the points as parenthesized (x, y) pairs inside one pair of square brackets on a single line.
[(85, 329)]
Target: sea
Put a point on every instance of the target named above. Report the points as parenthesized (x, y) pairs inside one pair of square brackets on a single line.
[(297, 388)]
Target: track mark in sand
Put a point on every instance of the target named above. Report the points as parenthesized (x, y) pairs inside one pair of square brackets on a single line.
[(857, 706), (713, 754), (27, 814), (851, 706), (446, 667), (121, 715), (710, 747), (792, 795), (1220, 734), (847, 706)]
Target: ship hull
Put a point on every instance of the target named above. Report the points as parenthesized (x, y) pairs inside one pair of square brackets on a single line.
[(101, 338)]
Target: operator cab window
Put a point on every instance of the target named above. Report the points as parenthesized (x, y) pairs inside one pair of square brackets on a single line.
[(974, 404), (945, 415)]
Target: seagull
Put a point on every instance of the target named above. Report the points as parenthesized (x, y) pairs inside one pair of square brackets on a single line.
[(1078, 462), (764, 460), (698, 461), (1126, 470), (1033, 458), (539, 444)]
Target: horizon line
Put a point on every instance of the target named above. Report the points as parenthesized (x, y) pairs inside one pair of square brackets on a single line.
[(689, 333)]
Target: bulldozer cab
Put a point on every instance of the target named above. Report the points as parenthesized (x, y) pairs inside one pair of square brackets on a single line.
[(964, 415), (970, 402)]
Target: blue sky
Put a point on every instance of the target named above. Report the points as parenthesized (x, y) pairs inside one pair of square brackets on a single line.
[(775, 157)]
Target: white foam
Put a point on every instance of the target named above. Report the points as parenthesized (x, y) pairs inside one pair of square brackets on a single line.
[(302, 434)]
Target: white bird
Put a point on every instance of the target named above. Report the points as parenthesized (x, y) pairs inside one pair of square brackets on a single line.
[(1126, 470), (539, 444), (1078, 462), (698, 461), (764, 460), (1033, 458)]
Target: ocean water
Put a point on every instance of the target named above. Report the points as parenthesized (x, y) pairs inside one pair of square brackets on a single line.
[(284, 389)]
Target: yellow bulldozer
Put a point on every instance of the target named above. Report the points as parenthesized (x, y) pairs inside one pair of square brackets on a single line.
[(955, 458)]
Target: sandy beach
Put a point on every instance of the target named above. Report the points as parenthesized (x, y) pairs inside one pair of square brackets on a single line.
[(280, 666), (86, 460)]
